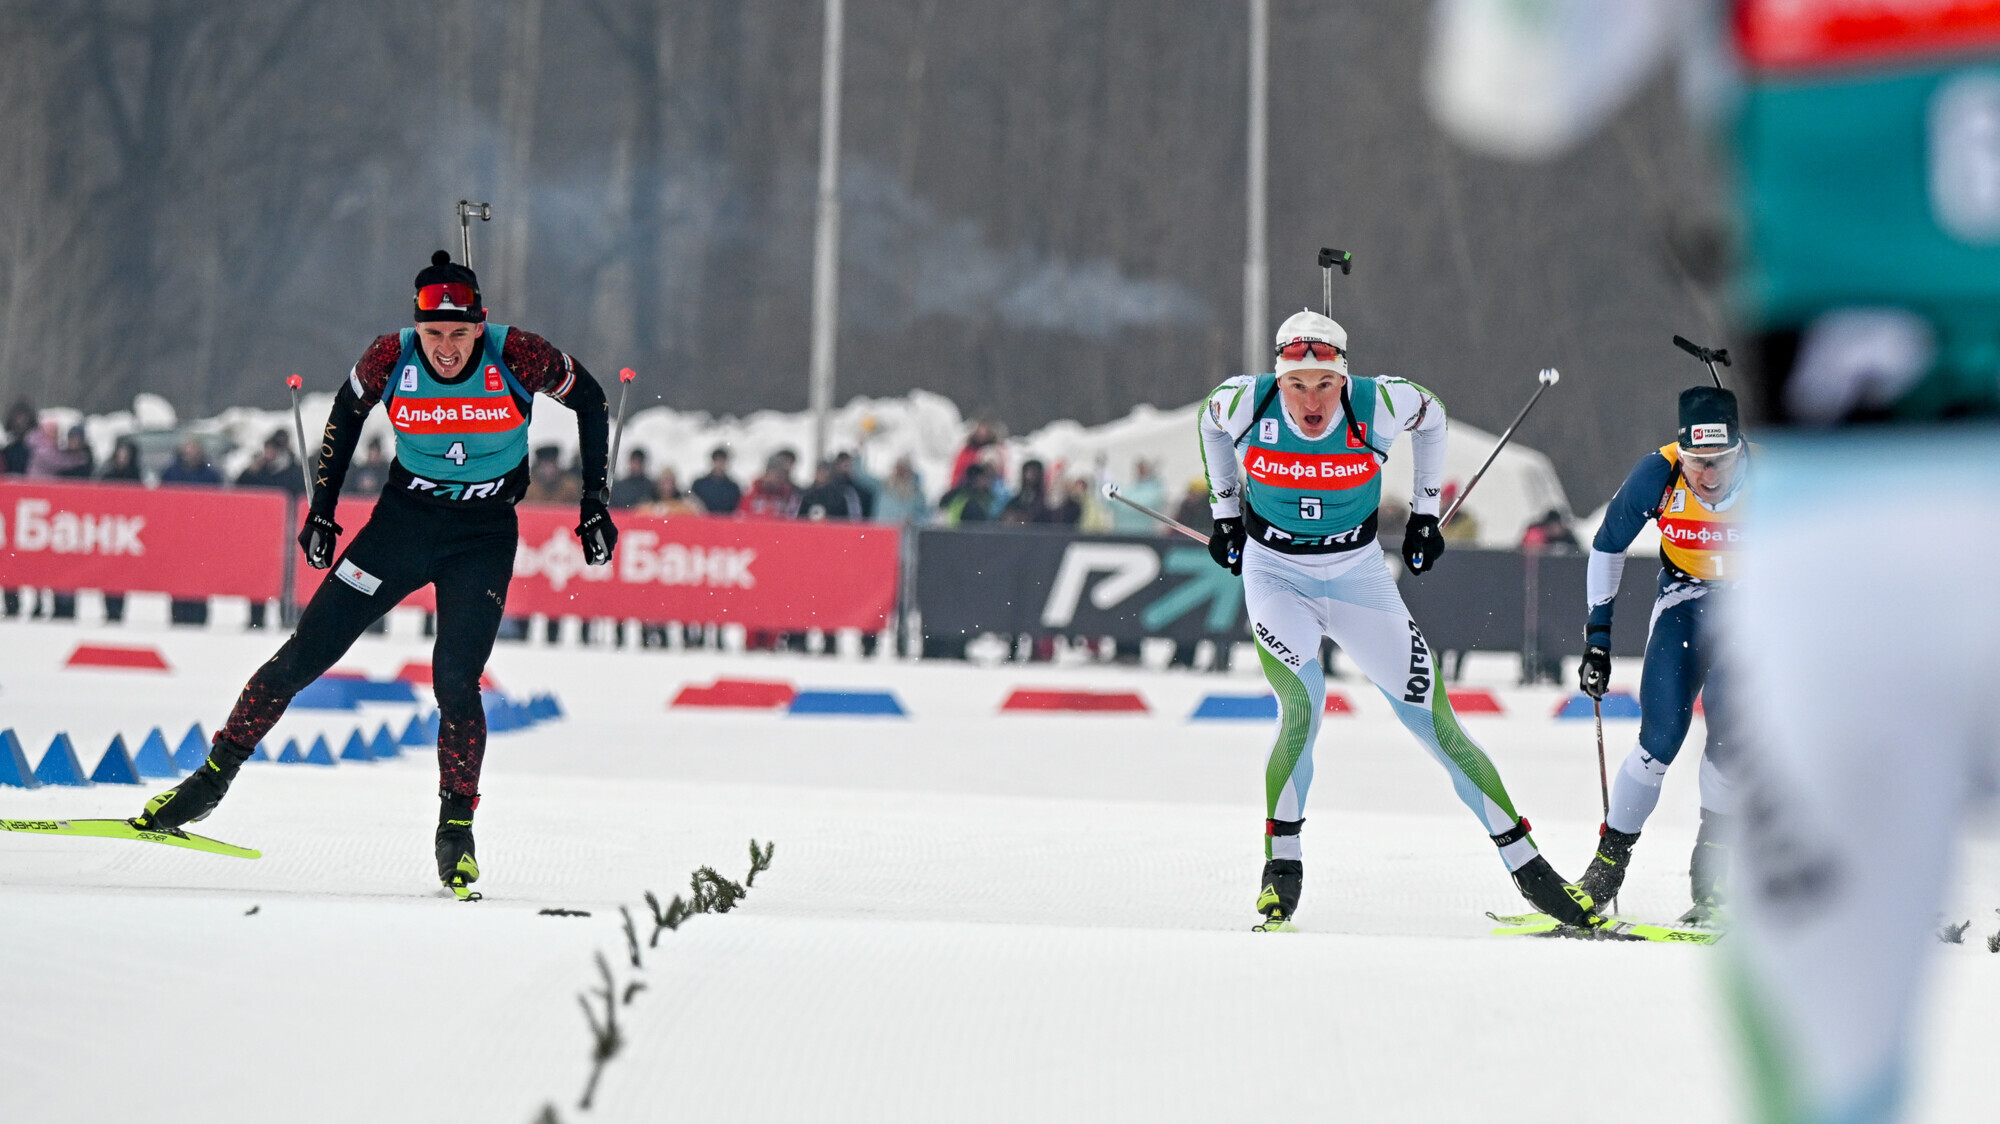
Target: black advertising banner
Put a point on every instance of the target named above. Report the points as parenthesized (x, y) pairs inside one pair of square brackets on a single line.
[(1015, 580), (1010, 581)]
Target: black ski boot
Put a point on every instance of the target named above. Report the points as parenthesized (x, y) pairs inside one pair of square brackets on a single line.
[(1705, 870), (1283, 879), (1545, 889), (457, 868), (194, 798), (1606, 872)]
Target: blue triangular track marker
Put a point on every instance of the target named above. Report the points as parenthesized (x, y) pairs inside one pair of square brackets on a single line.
[(60, 766), (153, 759), (14, 763), (290, 755), (116, 765), (320, 753), (355, 749), (192, 751), (384, 744)]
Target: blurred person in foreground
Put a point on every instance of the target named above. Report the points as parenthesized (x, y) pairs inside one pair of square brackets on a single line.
[(636, 487), (190, 465), (1863, 140), (460, 393), (1297, 520), (718, 494), (1694, 490), (849, 471), (76, 459)]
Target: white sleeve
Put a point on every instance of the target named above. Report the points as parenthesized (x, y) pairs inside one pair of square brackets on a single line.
[(1225, 418), (1601, 578), (1418, 412)]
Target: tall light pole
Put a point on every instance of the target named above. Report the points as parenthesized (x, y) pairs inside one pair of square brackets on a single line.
[(826, 232), (1256, 264)]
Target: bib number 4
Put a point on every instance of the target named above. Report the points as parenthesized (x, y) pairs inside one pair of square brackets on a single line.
[(456, 454)]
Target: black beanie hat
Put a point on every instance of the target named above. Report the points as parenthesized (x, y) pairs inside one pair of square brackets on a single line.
[(443, 271), (1708, 420)]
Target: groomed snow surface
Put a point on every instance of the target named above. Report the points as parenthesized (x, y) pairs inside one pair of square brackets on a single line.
[(970, 915)]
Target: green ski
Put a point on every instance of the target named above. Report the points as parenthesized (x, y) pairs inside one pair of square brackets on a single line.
[(123, 829), (1542, 925)]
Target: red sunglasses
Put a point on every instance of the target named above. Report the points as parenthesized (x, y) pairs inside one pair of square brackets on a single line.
[(1298, 349), (449, 294)]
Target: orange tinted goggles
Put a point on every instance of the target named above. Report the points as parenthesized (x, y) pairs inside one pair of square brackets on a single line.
[(1295, 350), (452, 295)]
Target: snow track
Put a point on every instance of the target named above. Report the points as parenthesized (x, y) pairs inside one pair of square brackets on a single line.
[(969, 916)]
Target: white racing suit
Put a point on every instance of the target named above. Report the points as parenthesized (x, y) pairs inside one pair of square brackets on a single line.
[(1347, 594)]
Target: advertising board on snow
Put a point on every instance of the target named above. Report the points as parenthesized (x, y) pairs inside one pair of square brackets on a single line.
[(762, 574), (120, 538)]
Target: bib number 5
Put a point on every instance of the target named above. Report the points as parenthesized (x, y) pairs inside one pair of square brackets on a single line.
[(1309, 507)]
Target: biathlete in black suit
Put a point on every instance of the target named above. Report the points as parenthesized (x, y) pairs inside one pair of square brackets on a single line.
[(460, 392)]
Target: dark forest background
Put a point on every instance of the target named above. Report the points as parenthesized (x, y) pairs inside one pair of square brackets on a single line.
[(1044, 205)]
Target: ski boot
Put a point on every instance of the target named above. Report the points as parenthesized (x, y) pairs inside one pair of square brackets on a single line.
[(1705, 872), (457, 868), (1545, 889), (194, 798), (1606, 872), (1280, 897)]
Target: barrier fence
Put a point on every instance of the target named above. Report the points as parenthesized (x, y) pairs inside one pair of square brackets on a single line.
[(939, 588)]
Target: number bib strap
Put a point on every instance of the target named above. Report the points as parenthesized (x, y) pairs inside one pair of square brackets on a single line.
[(1285, 542)]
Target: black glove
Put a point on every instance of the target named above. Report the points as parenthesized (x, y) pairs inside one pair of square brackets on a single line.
[(1593, 675), (597, 531), (1423, 543), (318, 538), (1226, 544)]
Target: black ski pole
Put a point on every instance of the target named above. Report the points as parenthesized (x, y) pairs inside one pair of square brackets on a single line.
[(1603, 778), (1708, 355), (1548, 378), (299, 427), (625, 377), (1111, 492)]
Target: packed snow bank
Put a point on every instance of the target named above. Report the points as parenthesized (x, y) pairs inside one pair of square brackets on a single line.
[(924, 427)]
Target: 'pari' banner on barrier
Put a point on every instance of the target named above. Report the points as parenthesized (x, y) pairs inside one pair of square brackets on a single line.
[(123, 538), (763, 574)]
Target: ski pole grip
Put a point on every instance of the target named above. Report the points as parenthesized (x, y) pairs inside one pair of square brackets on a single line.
[(1689, 346)]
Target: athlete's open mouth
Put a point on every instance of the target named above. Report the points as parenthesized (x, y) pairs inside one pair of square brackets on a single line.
[(1313, 420)]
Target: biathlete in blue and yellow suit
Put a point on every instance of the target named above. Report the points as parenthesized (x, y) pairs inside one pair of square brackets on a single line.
[(1300, 528), (1694, 490), (459, 392)]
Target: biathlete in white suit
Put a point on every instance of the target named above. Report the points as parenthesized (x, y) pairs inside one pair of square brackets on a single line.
[(1693, 489), (1298, 523)]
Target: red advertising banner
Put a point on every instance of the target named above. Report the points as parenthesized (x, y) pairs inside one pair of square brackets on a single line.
[(187, 542), (762, 574)]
